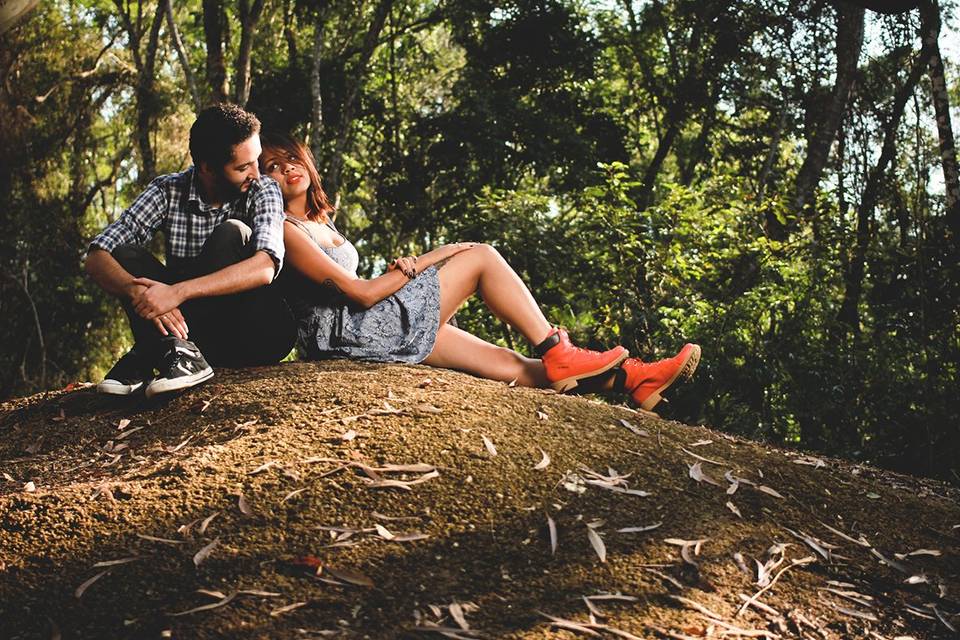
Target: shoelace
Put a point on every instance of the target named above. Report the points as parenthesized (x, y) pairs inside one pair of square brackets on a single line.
[(174, 357)]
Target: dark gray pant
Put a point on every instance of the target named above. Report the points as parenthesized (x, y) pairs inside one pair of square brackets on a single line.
[(253, 327)]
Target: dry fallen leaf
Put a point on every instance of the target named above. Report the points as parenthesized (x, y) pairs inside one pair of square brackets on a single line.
[(86, 585), (127, 434), (767, 490), (383, 532), (597, 543), (552, 528), (29, 487), (634, 429), (426, 407), (206, 522), (207, 607), (287, 609), (697, 473), (348, 436), (179, 446), (492, 450), (144, 536), (918, 552), (544, 461), (541, 415), (244, 506), (734, 509), (111, 563), (205, 552), (419, 467), (456, 612), (412, 536), (649, 527), (292, 494), (266, 465)]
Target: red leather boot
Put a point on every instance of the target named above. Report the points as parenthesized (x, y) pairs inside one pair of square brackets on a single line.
[(646, 381), (566, 364)]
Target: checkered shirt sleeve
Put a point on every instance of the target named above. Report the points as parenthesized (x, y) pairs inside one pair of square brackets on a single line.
[(265, 204), (138, 223)]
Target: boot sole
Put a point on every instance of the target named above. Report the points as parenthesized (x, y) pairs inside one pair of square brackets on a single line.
[(166, 386), (562, 386), (686, 370), (118, 389)]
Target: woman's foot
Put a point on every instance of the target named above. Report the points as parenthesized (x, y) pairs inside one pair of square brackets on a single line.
[(566, 365), (646, 381)]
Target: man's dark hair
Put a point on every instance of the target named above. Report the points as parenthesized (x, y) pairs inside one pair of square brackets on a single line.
[(218, 129)]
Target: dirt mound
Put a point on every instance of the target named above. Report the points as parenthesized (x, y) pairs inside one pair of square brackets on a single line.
[(348, 500)]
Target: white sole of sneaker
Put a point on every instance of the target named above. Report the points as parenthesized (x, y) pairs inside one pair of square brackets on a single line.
[(562, 386), (177, 384), (114, 388), (685, 371)]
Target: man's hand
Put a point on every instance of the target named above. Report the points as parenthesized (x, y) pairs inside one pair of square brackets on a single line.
[(172, 322), (156, 300)]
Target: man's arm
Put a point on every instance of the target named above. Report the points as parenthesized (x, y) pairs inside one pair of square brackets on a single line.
[(157, 298), (104, 269)]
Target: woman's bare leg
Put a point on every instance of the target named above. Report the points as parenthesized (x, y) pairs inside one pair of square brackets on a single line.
[(483, 270), (457, 349)]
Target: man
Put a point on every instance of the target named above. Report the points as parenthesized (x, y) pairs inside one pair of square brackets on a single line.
[(223, 228)]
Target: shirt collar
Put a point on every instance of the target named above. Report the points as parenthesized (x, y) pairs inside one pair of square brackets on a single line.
[(193, 194)]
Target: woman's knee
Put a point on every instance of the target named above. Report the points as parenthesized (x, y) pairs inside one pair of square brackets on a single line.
[(484, 254)]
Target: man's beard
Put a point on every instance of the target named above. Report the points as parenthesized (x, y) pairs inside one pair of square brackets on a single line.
[(229, 190)]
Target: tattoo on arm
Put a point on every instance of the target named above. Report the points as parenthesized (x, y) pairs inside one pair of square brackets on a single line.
[(330, 283), (439, 264)]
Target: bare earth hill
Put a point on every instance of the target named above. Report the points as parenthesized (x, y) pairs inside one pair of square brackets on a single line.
[(349, 500)]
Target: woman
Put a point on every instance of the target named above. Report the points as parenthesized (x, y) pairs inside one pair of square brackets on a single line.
[(401, 316)]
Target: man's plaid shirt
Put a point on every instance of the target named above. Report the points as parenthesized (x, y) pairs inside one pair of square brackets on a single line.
[(172, 203)]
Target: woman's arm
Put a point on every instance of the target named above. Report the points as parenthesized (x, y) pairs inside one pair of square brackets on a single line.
[(430, 258), (305, 256)]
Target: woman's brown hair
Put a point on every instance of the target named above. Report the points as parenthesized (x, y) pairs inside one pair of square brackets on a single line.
[(318, 205)]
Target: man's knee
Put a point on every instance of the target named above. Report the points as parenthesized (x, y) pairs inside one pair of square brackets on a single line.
[(229, 243), (137, 260), (229, 234)]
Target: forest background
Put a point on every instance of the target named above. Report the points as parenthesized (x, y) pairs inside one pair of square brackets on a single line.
[(774, 179)]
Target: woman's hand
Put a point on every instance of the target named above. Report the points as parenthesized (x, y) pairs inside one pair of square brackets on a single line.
[(407, 265), (444, 252)]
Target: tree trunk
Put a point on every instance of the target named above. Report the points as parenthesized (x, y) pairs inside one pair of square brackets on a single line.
[(144, 94), (772, 154), (316, 108), (213, 18), (698, 151), (182, 56), (663, 148), (849, 44), (353, 90), (849, 314), (941, 105), (249, 17)]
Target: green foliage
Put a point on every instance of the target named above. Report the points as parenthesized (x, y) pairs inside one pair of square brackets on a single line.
[(626, 158)]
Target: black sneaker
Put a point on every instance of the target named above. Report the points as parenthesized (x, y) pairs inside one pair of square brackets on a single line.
[(127, 376), (182, 367)]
